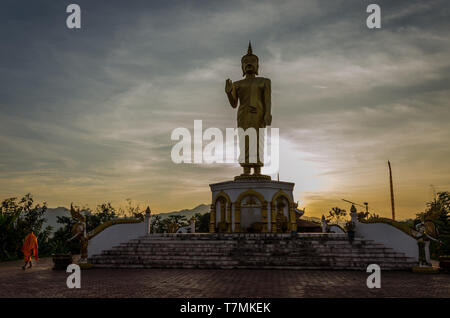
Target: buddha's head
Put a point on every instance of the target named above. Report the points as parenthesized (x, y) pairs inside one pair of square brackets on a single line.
[(249, 62)]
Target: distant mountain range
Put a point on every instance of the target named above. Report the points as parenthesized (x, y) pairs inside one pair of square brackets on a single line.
[(188, 213), (311, 218), (52, 214)]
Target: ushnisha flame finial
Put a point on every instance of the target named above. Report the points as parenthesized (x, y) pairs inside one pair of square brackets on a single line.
[(249, 51)]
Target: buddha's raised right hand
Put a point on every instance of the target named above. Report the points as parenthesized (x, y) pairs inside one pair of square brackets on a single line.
[(228, 86)]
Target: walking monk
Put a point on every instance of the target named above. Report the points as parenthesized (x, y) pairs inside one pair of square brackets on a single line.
[(30, 248)]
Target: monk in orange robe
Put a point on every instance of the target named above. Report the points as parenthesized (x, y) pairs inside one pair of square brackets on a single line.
[(30, 248)]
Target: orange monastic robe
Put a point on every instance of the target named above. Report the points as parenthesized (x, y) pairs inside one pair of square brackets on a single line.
[(30, 247)]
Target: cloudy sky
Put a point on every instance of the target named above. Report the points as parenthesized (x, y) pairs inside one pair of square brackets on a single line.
[(86, 115)]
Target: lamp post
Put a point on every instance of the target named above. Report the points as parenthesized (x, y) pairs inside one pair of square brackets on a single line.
[(148, 214)]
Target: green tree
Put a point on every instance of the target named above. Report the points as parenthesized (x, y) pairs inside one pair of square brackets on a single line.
[(157, 224), (60, 241), (336, 214), (104, 212), (174, 222), (134, 210), (63, 241), (8, 239), (438, 211), (17, 218), (363, 216), (202, 223)]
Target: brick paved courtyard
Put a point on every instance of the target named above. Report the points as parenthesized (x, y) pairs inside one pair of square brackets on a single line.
[(41, 281)]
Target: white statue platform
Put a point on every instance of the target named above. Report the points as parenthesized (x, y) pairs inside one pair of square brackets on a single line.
[(252, 205)]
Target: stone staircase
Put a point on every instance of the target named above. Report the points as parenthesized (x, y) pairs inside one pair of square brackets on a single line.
[(256, 251)]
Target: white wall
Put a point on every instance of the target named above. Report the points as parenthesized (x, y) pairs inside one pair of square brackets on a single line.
[(335, 229), (117, 234), (389, 236), (250, 216)]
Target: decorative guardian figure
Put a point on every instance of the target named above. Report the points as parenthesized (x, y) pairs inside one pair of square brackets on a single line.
[(79, 230)]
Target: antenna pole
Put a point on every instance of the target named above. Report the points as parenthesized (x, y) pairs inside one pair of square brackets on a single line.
[(392, 191)]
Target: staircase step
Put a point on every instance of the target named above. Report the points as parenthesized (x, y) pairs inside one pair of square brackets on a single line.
[(304, 251)]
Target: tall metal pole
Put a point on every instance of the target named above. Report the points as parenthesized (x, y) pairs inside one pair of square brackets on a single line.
[(392, 191)]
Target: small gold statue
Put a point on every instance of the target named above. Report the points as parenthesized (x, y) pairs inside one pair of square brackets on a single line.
[(254, 96)]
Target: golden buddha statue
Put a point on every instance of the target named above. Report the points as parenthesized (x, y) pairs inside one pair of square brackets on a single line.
[(254, 96)]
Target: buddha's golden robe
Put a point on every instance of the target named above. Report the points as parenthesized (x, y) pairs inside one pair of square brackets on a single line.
[(254, 101), (254, 95)]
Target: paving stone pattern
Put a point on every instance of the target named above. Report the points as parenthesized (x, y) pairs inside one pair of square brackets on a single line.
[(42, 281)]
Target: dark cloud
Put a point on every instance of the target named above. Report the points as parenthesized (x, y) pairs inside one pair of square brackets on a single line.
[(88, 113)]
